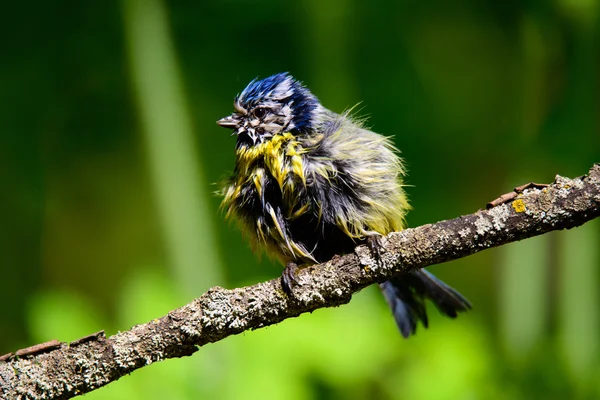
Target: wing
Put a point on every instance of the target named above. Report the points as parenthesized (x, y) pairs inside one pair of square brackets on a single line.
[(351, 187), (355, 177)]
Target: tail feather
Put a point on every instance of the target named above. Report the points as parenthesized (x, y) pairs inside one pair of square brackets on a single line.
[(407, 308), (406, 296)]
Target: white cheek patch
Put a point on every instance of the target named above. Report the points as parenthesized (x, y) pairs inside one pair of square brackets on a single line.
[(286, 111), (273, 127)]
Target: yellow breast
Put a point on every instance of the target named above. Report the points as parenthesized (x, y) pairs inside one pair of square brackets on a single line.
[(282, 159)]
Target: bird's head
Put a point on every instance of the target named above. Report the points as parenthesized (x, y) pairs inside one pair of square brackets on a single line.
[(270, 106)]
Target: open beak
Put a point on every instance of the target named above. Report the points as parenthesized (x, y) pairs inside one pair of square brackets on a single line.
[(228, 122)]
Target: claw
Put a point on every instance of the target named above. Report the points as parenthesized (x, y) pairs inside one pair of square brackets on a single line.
[(288, 277), (374, 243)]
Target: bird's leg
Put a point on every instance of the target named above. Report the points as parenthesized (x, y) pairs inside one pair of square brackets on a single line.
[(288, 277), (375, 245)]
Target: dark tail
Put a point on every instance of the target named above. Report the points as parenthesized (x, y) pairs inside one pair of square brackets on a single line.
[(406, 296)]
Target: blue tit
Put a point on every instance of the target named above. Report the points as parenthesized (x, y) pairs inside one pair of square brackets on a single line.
[(309, 183)]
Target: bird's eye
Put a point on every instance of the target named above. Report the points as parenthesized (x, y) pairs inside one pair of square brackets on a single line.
[(260, 112)]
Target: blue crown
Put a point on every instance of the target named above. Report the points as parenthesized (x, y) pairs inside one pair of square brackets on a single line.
[(257, 91), (282, 88)]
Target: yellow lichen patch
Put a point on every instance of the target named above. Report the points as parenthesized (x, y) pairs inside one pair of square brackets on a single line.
[(519, 205)]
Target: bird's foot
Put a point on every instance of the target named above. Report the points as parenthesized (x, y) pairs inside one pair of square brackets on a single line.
[(375, 245), (288, 277)]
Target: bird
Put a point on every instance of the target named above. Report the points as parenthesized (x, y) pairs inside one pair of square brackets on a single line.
[(309, 184)]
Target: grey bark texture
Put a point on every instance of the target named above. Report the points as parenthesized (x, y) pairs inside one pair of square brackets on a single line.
[(56, 370)]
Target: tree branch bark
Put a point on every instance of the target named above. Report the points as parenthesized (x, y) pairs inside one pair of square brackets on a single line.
[(56, 370)]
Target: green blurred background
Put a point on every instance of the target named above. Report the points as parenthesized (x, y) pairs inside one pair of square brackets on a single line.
[(109, 152)]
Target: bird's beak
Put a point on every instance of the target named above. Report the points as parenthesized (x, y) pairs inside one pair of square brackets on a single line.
[(228, 122)]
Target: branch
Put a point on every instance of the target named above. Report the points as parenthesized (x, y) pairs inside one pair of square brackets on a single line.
[(56, 370)]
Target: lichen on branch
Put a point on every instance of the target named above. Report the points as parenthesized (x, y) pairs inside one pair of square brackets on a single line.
[(55, 370)]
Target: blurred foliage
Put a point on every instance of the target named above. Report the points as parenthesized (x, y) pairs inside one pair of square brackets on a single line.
[(108, 151)]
